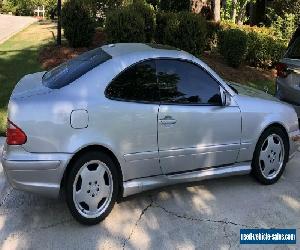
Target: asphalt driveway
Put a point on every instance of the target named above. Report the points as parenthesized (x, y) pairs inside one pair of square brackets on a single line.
[(204, 215), (10, 25)]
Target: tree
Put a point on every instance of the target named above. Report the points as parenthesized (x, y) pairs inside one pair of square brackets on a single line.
[(216, 10), (58, 40)]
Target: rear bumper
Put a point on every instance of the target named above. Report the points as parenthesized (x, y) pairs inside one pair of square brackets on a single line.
[(288, 94), (34, 172)]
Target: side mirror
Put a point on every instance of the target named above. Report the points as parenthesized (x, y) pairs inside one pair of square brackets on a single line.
[(226, 98)]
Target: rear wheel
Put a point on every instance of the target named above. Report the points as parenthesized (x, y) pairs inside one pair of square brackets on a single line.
[(270, 156), (92, 188)]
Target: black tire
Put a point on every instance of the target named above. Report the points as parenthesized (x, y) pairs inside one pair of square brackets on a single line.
[(85, 158), (256, 170)]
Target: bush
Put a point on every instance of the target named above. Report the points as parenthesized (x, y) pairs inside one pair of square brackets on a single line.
[(166, 27), (147, 13), (232, 45), (125, 25), (264, 51), (191, 33), (78, 23), (175, 5), (184, 30), (213, 29), (264, 47)]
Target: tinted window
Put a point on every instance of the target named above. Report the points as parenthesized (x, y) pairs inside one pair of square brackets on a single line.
[(185, 83), (138, 83), (73, 69), (294, 51)]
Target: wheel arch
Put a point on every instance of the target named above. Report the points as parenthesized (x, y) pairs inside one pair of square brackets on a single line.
[(90, 148), (276, 125)]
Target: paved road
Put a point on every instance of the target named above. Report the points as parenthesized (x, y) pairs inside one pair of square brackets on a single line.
[(10, 25), (205, 215)]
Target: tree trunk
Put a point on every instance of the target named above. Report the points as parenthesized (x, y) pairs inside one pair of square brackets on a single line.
[(233, 11), (241, 13), (217, 10), (58, 38)]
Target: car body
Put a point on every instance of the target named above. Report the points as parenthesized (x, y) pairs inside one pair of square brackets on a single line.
[(288, 76), (154, 141)]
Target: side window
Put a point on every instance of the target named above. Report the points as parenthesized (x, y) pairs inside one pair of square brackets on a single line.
[(185, 83), (137, 83)]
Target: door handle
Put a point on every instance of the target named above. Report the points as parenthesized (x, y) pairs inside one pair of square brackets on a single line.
[(167, 120)]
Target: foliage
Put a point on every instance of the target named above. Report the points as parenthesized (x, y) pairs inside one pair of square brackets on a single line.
[(174, 5), (183, 30), (264, 51), (124, 25), (264, 47), (283, 26), (146, 11), (26, 7), (233, 46), (19, 7), (283, 7), (191, 33), (166, 27), (132, 23), (78, 23)]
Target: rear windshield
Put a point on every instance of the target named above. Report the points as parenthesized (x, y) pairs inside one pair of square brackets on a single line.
[(71, 70), (294, 50)]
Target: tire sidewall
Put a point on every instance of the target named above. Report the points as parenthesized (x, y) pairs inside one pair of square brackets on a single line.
[(256, 171), (93, 155)]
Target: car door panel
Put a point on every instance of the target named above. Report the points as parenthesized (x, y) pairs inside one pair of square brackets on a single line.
[(200, 138), (194, 129)]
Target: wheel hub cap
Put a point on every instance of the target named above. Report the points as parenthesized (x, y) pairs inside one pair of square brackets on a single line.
[(92, 189), (271, 156)]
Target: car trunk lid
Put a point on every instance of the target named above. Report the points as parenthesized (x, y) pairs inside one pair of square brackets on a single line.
[(30, 85)]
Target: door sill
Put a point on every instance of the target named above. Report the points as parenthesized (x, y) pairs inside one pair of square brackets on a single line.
[(143, 184)]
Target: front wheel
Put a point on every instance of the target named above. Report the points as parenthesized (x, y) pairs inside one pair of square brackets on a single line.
[(270, 156), (92, 188)]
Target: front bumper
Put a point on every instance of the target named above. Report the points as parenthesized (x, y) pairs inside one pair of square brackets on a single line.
[(34, 172)]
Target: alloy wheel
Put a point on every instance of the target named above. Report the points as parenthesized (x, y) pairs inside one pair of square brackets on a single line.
[(92, 189)]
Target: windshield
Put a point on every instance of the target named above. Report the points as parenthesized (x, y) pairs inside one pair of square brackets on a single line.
[(71, 70)]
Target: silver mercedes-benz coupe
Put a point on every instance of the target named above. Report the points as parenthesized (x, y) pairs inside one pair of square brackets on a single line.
[(126, 118)]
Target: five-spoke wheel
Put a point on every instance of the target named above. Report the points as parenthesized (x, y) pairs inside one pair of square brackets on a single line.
[(92, 187), (270, 155)]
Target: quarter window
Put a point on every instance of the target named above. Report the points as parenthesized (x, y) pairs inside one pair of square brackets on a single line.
[(137, 83), (185, 83)]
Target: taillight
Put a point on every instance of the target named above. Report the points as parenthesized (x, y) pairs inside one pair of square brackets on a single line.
[(14, 135), (282, 70)]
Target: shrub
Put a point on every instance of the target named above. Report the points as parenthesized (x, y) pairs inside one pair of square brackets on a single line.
[(147, 13), (191, 33), (125, 25), (264, 47), (184, 30), (174, 5), (213, 29), (264, 51), (78, 23), (166, 27), (232, 45)]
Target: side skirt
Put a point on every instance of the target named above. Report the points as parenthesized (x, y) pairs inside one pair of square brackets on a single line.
[(143, 184)]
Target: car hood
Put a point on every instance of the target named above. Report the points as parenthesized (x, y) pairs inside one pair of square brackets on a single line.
[(252, 92), (30, 85)]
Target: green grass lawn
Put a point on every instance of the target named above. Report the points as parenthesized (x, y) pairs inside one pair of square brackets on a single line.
[(18, 57)]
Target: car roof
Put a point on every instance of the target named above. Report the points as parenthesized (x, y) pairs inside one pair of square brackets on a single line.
[(121, 49)]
